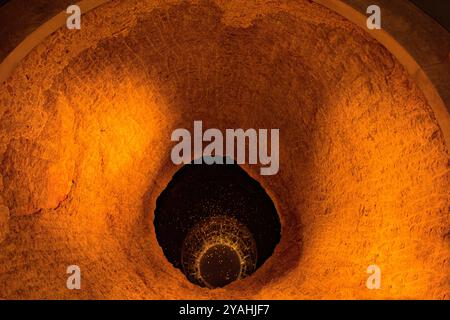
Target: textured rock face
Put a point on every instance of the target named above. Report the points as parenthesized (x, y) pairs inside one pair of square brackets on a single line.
[(85, 151), (4, 219)]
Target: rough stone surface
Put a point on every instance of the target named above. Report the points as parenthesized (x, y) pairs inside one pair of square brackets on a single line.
[(85, 147), (4, 219)]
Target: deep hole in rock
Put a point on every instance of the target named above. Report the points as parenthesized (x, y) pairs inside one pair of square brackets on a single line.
[(216, 223)]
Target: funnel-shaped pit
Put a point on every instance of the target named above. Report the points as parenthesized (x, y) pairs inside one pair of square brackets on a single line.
[(216, 223)]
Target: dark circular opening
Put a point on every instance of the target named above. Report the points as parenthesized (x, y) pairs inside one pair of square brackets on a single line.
[(216, 223), (220, 265)]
